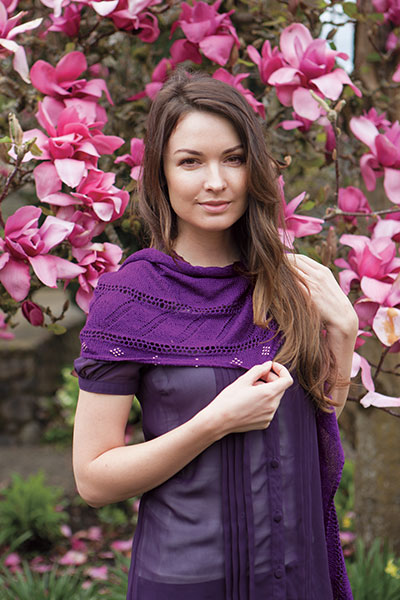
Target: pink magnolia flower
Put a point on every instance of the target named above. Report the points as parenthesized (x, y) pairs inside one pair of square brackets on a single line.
[(98, 192), (383, 158), (379, 400), (386, 324), (309, 65), (9, 29), (368, 258), (235, 81), (351, 199), (69, 22), (129, 16), (95, 191), (4, 334), (211, 32), (89, 112), (86, 225), (390, 9), (396, 75), (182, 50), (378, 119), (359, 362), (32, 313), (10, 5), (62, 81), (58, 5), (296, 226), (96, 260), (135, 158), (269, 61), (25, 244), (158, 77), (73, 147)]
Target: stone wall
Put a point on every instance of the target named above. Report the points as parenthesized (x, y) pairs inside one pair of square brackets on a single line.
[(30, 368)]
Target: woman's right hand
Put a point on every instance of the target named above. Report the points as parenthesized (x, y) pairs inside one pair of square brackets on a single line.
[(251, 401)]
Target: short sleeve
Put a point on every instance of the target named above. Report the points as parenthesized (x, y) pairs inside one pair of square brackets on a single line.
[(107, 377)]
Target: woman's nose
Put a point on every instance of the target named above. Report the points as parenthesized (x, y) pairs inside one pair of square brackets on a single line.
[(214, 180)]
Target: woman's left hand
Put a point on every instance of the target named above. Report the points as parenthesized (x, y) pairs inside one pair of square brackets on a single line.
[(332, 303), (338, 317)]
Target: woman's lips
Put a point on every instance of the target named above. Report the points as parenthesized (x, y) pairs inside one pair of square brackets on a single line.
[(215, 207)]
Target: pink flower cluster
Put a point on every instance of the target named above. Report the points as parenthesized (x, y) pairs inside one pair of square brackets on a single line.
[(383, 140), (301, 65), (372, 265), (296, 226), (212, 33), (391, 12), (10, 27), (125, 14), (83, 197), (207, 30)]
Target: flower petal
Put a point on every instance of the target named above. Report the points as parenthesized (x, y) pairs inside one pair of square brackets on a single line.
[(386, 325), (391, 183), (15, 277), (70, 171), (379, 400), (305, 105)]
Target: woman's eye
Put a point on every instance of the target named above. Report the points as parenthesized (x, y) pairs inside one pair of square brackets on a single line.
[(236, 159), (188, 162)]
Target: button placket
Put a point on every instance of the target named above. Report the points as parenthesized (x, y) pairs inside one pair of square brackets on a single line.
[(273, 465)]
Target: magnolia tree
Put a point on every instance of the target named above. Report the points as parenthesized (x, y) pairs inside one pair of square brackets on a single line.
[(77, 78)]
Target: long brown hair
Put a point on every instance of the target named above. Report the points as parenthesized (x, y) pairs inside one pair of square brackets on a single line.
[(278, 290)]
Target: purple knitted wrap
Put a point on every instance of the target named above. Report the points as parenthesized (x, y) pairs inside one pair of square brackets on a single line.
[(160, 310)]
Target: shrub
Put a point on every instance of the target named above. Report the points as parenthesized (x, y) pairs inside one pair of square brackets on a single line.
[(29, 585), (373, 574), (28, 513)]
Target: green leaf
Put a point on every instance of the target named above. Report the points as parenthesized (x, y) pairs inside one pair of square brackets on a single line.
[(35, 150), (246, 63), (5, 140), (374, 57), (350, 9), (57, 329), (309, 205), (377, 17)]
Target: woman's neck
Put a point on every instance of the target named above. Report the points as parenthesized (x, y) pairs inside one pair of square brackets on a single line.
[(208, 251)]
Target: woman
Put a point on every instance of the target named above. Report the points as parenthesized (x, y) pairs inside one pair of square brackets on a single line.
[(241, 457)]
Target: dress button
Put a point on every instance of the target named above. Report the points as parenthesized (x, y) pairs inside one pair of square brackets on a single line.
[(274, 463), (277, 516), (279, 572)]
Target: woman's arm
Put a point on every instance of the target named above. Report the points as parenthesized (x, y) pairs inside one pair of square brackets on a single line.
[(108, 471), (338, 316)]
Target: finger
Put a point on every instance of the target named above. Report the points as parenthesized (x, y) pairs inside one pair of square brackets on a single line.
[(258, 372), (280, 370)]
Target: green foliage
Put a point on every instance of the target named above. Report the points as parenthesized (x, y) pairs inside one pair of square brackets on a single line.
[(374, 574), (116, 586), (113, 515), (29, 585), (28, 513), (344, 499), (62, 409)]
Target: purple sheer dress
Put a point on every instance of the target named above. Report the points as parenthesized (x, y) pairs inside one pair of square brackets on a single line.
[(242, 521)]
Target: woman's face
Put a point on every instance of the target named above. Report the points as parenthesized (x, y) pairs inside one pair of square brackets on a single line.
[(206, 174)]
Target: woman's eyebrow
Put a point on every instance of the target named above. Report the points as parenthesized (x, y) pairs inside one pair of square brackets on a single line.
[(197, 153)]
